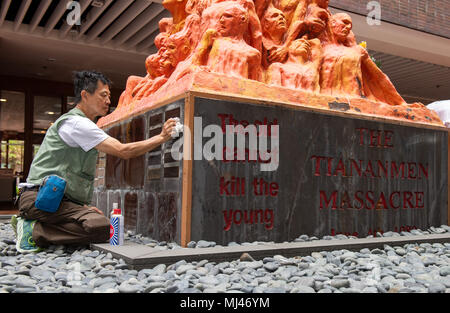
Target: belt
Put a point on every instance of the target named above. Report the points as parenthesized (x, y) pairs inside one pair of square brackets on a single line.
[(34, 188), (22, 190)]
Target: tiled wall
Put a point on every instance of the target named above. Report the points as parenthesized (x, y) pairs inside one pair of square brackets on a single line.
[(147, 188), (431, 16)]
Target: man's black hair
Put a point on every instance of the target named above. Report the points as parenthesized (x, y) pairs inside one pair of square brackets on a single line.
[(87, 80)]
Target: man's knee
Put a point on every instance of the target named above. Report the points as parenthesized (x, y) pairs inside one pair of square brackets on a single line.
[(98, 227), (39, 237), (26, 203)]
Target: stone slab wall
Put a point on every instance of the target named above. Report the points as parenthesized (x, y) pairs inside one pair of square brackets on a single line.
[(147, 188), (336, 173)]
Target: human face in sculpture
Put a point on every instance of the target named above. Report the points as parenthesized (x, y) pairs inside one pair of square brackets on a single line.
[(341, 25), (168, 59), (300, 49), (274, 21), (232, 22), (317, 20), (152, 64)]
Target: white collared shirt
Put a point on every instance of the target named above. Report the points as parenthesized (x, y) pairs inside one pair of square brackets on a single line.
[(78, 131)]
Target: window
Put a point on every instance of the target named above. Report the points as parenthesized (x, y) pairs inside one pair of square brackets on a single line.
[(35, 149), (12, 155), (46, 111), (12, 112), (70, 103), (12, 128)]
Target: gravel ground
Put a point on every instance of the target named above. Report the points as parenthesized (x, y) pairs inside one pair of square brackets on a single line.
[(410, 268)]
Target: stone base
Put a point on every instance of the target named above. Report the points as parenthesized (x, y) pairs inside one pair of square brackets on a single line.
[(338, 172), (139, 256)]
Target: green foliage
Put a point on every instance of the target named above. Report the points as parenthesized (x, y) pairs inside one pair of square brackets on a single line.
[(377, 62), (15, 154)]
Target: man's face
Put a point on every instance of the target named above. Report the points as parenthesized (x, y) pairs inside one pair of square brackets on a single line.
[(341, 26), (100, 100), (274, 20)]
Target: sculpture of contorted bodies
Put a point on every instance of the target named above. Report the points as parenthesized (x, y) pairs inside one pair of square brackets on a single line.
[(298, 44), (224, 50), (348, 70), (302, 69), (178, 35), (252, 35), (274, 27), (178, 12), (174, 49), (295, 12)]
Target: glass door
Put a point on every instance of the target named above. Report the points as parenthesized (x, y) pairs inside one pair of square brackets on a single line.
[(12, 134)]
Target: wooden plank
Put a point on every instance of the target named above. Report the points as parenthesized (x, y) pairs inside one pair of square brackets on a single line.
[(188, 148), (199, 92), (28, 145), (157, 105)]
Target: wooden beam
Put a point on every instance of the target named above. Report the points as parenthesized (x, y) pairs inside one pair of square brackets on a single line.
[(93, 15), (144, 32), (4, 10), (118, 8), (64, 30), (55, 17), (28, 142), (37, 17), (128, 17), (188, 155), (148, 42), (143, 19), (21, 14)]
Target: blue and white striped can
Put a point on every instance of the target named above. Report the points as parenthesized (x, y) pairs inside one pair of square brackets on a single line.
[(116, 230)]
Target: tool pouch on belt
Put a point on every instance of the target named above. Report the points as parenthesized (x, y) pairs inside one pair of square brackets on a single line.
[(50, 193)]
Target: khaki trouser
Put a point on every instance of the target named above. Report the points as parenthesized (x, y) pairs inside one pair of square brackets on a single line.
[(71, 224)]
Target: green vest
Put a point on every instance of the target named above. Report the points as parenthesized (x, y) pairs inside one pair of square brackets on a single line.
[(75, 165)]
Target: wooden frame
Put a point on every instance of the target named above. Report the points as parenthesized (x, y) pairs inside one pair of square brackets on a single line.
[(186, 199)]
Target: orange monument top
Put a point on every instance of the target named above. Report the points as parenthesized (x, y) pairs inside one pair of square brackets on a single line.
[(292, 51)]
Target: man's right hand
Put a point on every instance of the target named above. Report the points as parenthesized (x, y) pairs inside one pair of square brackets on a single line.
[(94, 209), (134, 149), (167, 129)]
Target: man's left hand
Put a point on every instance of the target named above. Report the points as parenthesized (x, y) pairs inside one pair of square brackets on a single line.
[(95, 209)]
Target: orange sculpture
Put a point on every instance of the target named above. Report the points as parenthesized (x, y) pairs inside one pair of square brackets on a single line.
[(302, 68), (224, 50), (292, 51), (347, 68)]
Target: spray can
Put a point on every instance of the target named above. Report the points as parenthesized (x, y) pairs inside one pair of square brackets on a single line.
[(116, 227)]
